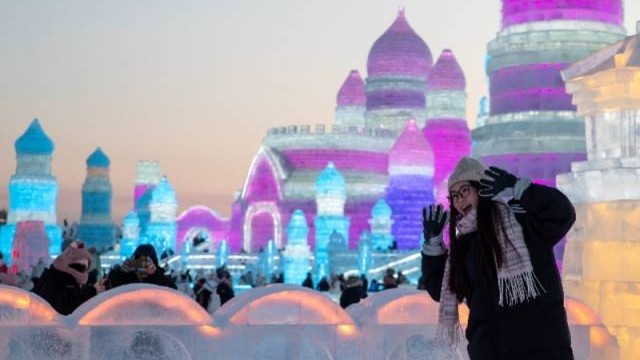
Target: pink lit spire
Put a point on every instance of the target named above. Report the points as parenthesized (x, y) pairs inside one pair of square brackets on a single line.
[(446, 74), (399, 51), (352, 91), (524, 11), (411, 154)]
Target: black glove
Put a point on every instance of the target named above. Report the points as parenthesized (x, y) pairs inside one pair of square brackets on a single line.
[(498, 180), (433, 221)]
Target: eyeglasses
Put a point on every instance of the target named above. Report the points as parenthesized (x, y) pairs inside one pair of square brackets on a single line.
[(462, 193)]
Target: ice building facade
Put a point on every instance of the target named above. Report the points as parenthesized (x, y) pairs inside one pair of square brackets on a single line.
[(601, 257), (33, 190), (533, 129), (147, 177), (297, 254), (162, 228), (380, 223), (96, 227), (130, 234)]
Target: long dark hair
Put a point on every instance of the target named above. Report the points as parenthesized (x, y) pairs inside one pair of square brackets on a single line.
[(490, 254)]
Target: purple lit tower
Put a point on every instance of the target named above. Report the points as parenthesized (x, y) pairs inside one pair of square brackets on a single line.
[(351, 102), (398, 66), (446, 128), (533, 129), (411, 168)]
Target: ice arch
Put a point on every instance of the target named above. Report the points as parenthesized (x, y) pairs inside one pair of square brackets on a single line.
[(19, 307), (201, 218), (141, 304)]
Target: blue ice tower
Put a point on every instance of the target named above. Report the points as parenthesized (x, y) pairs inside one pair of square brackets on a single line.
[(380, 222), (331, 195), (33, 189), (297, 254), (364, 253), (130, 235), (96, 227), (162, 228)]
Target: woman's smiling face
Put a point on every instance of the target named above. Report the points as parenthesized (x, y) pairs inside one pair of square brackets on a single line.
[(463, 196)]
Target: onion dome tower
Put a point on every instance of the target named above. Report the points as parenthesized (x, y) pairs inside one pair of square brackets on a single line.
[(351, 102), (446, 128), (411, 168), (33, 189), (96, 227), (297, 252), (162, 228), (398, 66), (331, 194), (380, 222), (533, 129)]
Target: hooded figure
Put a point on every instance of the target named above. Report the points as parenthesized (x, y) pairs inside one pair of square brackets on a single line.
[(63, 284), (500, 262), (352, 292), (142, 267)]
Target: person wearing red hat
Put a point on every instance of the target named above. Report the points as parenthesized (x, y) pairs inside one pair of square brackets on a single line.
[(64, 283)]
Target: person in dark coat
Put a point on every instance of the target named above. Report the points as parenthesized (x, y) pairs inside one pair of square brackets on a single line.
[(323, 284), (352, 292), (500, 263), (64, 283), (308, 281), (142, 267), (225, 287)]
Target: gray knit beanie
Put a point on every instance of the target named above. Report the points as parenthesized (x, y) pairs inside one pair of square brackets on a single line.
[(468, 169)]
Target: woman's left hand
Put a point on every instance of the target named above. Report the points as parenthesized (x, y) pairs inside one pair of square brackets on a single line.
[(498, 180)]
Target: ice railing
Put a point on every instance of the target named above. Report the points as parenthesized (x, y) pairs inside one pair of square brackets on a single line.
[(136, 322), (320, 129)]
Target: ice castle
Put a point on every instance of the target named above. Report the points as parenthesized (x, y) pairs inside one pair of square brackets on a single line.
[(32, 190)]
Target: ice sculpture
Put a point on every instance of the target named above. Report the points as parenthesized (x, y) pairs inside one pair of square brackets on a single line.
[(130, 234), (533, 129), (162, 228), (297, 254), (30, 245), (147, 177), (410, 185), (601, 264), (33, 189), (351, 102), (96, 228), (330, 199), (222, 253), (364, 253), (446, 128), (381, 238), (200, 219), (398, 65)]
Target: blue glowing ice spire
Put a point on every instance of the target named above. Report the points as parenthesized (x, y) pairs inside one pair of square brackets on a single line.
[(297, 253), (96, 227), (364, 252), (130, 234), (162, 228), (331, 195), (33, 189)]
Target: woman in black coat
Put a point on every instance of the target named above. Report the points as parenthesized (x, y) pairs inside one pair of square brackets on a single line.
[(141, 268), (500, 263), (64, 284)]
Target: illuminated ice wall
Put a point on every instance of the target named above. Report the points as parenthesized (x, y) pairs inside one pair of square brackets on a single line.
[(147, 177), (30, 245), (601, 266), (162, 228), (331, 195), (410, 185), (397, 68), (32, 189), (297, 254), (446, 127), (130, 234), (533, 129), (380, 223), (351, 102), (96, 228)]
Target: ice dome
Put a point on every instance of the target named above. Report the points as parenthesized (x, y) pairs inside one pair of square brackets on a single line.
[(399, 51), (141, 304), (280, 304), (446, 73), (352, 91), (34, 141), (98, 159), (381, 209), (411, 149), (22, 308), (330, 181), (163, 192)]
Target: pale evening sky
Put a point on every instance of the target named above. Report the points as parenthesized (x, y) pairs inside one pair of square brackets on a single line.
[(196, 84)]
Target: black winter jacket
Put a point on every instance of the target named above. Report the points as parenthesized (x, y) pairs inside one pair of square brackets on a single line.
[(62, 291), (538, 329), (118, 277)]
